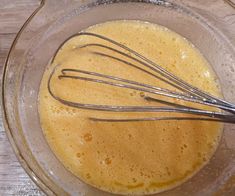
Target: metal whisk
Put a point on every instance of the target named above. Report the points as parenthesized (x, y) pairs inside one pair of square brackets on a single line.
[(187, 92)]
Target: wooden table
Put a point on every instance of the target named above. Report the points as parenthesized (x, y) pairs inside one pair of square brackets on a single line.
[(13, 13)]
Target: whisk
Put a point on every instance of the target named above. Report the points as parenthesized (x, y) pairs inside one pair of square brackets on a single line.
[(132, 58)]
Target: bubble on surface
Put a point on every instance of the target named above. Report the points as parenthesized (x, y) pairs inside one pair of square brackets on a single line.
[(87, 137), (108, 161), (142, 94), (67, 109), (204, 159), (88, 175), (134, 180), (210, 145), (199, 154)]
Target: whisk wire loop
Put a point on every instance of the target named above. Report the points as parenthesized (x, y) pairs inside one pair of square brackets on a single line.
[(187, 92)]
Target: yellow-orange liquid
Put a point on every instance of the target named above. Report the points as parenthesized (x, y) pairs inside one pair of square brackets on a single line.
[(130, 157)]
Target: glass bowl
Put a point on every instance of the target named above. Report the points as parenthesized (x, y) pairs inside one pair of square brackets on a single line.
[(55, 21)]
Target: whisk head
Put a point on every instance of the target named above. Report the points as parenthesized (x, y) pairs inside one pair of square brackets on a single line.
[(122, 54)]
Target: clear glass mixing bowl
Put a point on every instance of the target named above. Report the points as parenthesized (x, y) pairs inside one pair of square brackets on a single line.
[(50, 25)]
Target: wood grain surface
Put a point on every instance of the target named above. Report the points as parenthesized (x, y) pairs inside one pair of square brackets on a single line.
[(13, 13)]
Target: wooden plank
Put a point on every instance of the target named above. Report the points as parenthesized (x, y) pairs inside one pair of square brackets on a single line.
[(13, 14), (14, 4), (5, 43)]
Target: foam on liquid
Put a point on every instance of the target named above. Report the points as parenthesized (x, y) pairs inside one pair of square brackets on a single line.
[(133, 157)]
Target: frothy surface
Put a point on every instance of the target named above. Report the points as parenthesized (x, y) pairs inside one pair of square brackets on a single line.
[(136, 157)]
